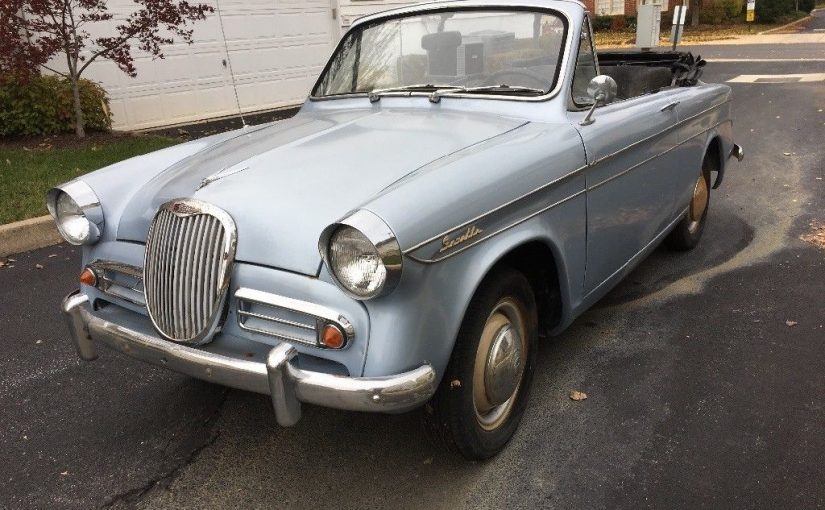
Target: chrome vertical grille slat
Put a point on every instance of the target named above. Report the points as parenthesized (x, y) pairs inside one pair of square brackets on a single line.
[(189, 255)]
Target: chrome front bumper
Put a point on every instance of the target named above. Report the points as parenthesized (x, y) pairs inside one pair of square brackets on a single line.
[(286, 384)]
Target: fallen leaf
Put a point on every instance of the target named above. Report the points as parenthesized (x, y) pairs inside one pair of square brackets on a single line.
[(39, 266), (8, 162), (39, 342), (786, 153), (64, 473), (791, 324), (455, 383), (12, 260), (816, 236), (577, 396), (53, 255)]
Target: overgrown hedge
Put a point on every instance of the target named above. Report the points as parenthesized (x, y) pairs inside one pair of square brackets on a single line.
[(769, 11), (44, 105)]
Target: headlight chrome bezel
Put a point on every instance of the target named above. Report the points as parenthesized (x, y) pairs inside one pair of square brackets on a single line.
[(382, 238), (87, 203)]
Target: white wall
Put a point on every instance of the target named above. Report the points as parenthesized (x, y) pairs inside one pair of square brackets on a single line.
[(277, 50)]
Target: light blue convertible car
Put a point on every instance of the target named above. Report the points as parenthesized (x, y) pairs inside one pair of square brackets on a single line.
[(464, 176)]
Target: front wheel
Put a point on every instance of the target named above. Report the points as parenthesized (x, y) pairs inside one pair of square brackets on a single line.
[(484, 391)]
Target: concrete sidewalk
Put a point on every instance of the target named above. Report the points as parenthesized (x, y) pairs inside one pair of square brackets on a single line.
[(806, 38)]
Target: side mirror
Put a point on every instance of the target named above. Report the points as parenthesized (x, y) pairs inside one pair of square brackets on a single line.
[(602, 89)]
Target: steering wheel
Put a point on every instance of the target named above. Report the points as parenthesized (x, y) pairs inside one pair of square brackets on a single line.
[(539, 81)]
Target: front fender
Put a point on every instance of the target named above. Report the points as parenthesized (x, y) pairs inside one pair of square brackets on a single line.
[(419, 322)]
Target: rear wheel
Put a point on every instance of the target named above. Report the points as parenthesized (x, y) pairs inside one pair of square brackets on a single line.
[(484, 391), (688, 232)]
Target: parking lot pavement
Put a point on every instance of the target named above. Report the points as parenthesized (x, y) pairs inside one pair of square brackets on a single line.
[(704, 374)]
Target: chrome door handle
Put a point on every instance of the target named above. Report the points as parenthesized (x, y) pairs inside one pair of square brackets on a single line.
[(671, 106)]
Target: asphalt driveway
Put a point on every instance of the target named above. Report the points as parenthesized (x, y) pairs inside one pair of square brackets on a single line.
[(705, 374)]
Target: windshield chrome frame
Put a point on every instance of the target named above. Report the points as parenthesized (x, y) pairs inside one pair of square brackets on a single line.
[(423, 9)]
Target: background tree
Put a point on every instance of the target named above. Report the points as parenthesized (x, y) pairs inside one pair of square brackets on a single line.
[(33, 32)]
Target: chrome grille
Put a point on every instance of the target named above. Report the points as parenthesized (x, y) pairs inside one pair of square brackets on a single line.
[(189, 255)]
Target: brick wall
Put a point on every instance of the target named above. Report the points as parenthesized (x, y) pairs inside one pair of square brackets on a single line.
[(630, 5)]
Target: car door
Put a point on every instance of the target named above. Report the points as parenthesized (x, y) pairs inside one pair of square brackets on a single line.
[(630, 162)]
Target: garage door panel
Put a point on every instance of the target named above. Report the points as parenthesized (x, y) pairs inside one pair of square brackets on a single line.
[(276, 49)]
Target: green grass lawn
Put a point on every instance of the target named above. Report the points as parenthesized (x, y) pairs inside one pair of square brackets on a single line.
[(27, 171)]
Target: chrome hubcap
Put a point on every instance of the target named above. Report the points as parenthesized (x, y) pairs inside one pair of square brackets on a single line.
[(501, 375), (699, 204), (499, 364)]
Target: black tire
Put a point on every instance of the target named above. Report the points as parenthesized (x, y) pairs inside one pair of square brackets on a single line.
[(688, 232), (452, 417)]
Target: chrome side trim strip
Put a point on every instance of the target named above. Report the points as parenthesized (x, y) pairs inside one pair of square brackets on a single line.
[(496, 209), (637, 165), (496, 232), (669, 128)]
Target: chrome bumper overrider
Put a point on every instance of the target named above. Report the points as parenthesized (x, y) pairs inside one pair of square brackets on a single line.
[(286, 384), (737, 152)]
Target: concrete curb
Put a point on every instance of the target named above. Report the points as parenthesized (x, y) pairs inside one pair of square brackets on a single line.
[(28, 235), (792, 23)]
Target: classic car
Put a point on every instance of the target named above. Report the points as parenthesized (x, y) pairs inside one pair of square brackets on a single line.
[(465, 177)]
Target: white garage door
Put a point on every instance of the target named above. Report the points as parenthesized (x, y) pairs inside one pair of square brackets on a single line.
[(277, 48)]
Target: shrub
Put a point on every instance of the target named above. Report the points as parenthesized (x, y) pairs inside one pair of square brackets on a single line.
[(807, 5), (44, 105), (602, 23), (769, 11)]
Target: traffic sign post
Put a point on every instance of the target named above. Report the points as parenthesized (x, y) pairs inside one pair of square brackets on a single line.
[(679, 15), (750, 15)]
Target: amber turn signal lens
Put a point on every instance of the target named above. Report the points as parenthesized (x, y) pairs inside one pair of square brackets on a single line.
[(332, 337), (88, 277)]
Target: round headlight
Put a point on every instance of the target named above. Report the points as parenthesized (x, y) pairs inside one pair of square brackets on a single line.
[(362, 255), (356, 262), (71, 206)]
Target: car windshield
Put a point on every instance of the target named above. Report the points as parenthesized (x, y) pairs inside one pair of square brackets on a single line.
[(505, 53)]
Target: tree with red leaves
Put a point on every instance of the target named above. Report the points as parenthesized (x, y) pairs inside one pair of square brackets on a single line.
[(32, 32)]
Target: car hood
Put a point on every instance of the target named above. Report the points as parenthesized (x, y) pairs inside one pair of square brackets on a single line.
[(285, 182)]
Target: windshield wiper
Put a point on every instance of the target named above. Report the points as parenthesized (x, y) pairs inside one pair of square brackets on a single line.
[(503, 89), (486, 89), (442, 90), (375, 95)]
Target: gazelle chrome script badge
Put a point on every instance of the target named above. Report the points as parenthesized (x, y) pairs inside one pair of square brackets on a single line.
[(468, 234)]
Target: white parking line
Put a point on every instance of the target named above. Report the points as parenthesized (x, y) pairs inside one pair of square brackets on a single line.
[(778, 78), (765, 59)]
